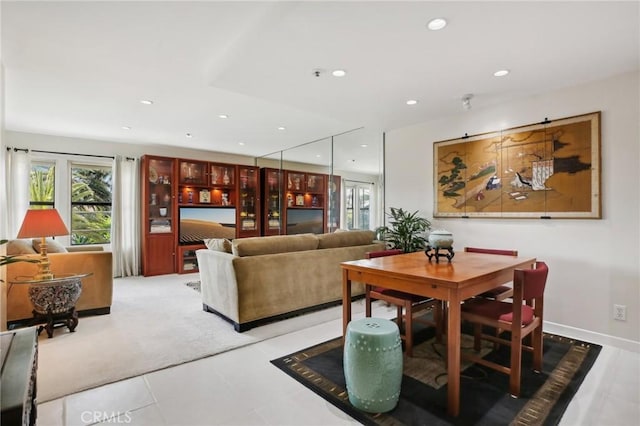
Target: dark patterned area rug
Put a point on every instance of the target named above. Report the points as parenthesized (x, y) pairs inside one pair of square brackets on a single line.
[(484, 398)]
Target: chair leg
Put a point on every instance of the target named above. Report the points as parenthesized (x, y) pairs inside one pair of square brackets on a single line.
[(536, 343), (367, 302), (477, 337), (437, 317), (408, 328), (516, 364)]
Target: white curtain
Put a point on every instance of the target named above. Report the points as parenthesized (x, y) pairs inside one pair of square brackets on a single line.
[(125, 221), (18, 169)]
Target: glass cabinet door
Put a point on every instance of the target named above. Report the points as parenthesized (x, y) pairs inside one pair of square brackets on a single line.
[(192, 173), (159, 200), (249, 202), (223, 183), (272, 201), (192, 182)]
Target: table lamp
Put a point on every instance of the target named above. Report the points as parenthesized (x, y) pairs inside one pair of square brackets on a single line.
[(41, 224)]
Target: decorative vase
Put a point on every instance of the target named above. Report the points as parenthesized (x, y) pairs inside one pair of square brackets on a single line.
[(440, 239)]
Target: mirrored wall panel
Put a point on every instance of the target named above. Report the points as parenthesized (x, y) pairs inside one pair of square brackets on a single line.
[(325, 185)]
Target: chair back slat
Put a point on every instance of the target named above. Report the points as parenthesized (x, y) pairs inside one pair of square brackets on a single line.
[(491, 251), (382, 253), (533, 280)]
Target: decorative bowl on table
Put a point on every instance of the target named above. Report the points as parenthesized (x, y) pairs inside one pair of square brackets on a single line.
[(440, 239)]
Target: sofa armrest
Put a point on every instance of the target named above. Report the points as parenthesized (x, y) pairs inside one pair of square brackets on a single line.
[(218, 285)]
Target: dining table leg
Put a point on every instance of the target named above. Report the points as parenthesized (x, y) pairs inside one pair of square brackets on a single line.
[(453, 356), (346, 301)]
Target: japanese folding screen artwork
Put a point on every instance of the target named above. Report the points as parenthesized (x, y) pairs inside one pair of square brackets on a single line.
[(548, 170)]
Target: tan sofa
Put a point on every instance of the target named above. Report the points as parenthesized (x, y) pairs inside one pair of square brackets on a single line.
[(268, 278), (97, 289)]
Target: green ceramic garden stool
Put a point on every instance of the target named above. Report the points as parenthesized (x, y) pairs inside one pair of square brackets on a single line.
[(373, 364)]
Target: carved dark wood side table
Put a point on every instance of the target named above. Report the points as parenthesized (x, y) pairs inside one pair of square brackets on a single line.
[(54, 300)]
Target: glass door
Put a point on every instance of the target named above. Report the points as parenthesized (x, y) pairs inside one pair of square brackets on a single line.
[(357, 202)]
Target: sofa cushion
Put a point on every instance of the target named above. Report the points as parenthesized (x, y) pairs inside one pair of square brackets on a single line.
[(256, 246), (15, 247), (52, 246), (218, 244), (346, 239)]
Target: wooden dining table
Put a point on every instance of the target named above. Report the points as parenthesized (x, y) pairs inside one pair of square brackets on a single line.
[(467, 275)]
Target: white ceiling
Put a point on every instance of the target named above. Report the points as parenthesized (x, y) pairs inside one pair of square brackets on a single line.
[(80, 68)]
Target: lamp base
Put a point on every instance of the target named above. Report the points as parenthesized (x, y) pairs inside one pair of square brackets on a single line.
[(44, 271)]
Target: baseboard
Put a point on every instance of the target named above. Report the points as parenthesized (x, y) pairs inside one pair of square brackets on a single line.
[(591, 336)]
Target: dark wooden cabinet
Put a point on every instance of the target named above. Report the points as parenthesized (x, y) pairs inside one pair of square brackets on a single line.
[(305, 202), (159, 222), (204, 184), (185, 202), (187, 260), (305, 190), (159, 254)]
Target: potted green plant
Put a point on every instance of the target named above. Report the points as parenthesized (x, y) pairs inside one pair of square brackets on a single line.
[(406, 231)]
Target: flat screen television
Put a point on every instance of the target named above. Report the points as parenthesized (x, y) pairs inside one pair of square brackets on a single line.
[(200, 223), (304, 221)]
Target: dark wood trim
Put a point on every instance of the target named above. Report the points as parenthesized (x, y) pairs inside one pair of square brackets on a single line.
[(26, 322), (263, 321)]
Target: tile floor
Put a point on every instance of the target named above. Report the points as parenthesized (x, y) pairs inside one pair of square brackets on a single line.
[(241, 387)]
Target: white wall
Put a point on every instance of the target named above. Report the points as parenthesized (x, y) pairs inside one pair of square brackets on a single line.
[(95, 147), (593, 264)]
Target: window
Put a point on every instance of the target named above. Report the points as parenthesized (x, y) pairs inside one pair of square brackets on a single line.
[(357, 205), (42, 185), (91, 188)]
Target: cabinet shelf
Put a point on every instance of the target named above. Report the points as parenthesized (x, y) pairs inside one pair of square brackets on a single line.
[(187, 259)]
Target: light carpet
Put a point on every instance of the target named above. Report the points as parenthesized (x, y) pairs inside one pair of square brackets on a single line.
[(155, 323)]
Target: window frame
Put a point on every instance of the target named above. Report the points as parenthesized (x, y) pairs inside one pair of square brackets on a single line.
[(72, 204), (62, 192)]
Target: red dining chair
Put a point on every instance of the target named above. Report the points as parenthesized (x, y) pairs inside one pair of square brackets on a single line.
[(405, 303), (501, 292), (523, 316)]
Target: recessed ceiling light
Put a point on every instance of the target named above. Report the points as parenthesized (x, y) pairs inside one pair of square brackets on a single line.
[(223, 116), (318, 155), (189, 135), (501, 73), (364, 145), (339, 73), (146, 102), (282, 128), (241, 143), (437, 24), (412, 102), (126, 128)]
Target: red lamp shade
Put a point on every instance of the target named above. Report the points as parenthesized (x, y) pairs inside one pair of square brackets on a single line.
[(42, 223)]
